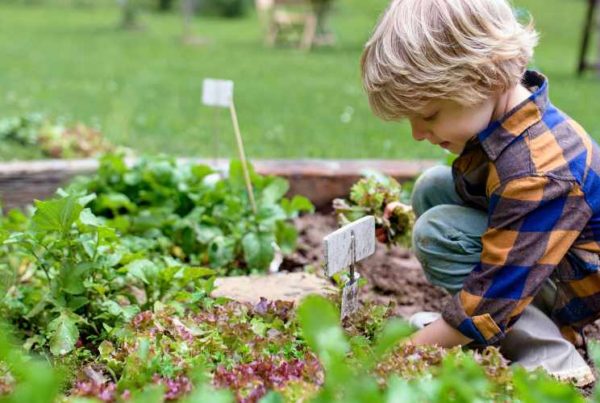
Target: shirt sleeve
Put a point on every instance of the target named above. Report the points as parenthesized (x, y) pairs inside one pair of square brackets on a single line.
[(533, 221)]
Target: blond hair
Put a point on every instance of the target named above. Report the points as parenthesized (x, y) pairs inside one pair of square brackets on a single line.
[(460, 50)]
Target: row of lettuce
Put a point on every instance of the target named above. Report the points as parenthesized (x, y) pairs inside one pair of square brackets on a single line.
[(226, 351)]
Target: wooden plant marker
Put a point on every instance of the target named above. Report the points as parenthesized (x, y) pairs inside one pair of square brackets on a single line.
[(343, 248), (219, 94)]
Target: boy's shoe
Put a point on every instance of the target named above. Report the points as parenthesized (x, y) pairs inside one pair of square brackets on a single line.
[(422, 319), (535, 341)]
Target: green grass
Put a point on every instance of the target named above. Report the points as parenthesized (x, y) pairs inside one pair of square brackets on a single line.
[(143, 87)]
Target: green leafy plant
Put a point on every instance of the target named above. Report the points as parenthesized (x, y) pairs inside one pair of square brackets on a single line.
[(386, 369), (191, 213), (85, 263), (53, 138), (24, 378), (75, 280), (370, 196), (267, 351)]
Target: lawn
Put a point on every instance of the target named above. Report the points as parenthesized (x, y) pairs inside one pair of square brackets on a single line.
[(143, 87)]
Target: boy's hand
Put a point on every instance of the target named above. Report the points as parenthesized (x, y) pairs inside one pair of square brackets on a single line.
[(439, 333), (380, 232)]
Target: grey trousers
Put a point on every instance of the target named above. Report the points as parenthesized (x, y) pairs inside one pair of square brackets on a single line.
[(447, 242)]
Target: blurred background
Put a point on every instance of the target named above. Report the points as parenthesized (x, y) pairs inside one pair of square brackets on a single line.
[(93, 74)]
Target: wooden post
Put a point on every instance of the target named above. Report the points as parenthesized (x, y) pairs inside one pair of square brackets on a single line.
[(216, 137), (129, 13), (242, 153), (187, 10), (589, 27), (188, 37)]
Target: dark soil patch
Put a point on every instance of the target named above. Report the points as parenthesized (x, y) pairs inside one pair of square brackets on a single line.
[(393, 275)]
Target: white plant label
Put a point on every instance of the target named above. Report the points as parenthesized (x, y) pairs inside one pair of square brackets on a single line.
[(337, 245), (217, 93)]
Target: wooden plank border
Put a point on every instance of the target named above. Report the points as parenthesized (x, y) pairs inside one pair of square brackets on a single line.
[(320, 180)]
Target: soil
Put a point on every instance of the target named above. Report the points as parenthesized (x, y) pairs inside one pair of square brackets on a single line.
[(393, 274)]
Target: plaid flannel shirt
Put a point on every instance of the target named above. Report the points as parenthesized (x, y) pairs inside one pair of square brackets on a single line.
[(537, 174)]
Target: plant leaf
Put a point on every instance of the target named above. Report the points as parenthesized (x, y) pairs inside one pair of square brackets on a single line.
[(393, 331), (194, 273), (143, 269), (72, 277), (287, 236), (275, 190), (56, 215), (320, 326), (258, 249), (221, 251), (64, 334)]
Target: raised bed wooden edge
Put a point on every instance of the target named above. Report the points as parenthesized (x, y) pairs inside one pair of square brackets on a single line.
[(320, 180)]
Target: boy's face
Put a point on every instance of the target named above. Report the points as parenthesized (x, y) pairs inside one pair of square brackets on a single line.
[(451, 125)]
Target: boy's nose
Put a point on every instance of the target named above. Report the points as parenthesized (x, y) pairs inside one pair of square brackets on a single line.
[(418, 133)]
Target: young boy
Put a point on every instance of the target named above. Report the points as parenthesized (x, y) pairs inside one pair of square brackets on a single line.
[(513, 229)]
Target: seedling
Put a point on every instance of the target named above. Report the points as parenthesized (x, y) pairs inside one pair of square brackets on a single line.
[(343, 249), (219, 94), (370, 196)]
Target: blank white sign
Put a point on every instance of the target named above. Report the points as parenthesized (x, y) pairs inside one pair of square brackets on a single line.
[(217, 92), (337, 245)]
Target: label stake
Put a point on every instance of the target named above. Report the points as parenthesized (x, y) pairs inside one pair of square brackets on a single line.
[(343, 249), (219, 93)]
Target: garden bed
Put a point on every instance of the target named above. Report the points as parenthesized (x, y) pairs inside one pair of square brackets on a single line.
[(112, 281)]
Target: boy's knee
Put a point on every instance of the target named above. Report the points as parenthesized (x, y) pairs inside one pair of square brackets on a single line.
[(428, 186), (449, 228), (427, 230), (440, 248)]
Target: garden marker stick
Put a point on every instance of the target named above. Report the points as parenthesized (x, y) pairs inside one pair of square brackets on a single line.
[(216, 139), (343, 248), (240, 145), (219, 93)]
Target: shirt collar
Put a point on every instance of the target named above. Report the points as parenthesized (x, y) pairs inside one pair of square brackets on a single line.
[(500, 133)]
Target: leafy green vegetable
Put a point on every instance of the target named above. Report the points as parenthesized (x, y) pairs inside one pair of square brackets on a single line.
[(74, 280), (193, 214), (56, 215), (52, 137), (34, 380), (63, 334), (370, 196)]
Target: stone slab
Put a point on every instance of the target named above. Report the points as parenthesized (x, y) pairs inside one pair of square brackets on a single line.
[(279, 286)]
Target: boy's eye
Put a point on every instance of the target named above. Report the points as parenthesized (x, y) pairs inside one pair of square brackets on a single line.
[(430, 117)]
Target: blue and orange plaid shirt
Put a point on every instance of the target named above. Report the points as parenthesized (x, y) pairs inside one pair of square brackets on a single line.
[(537, 174)]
